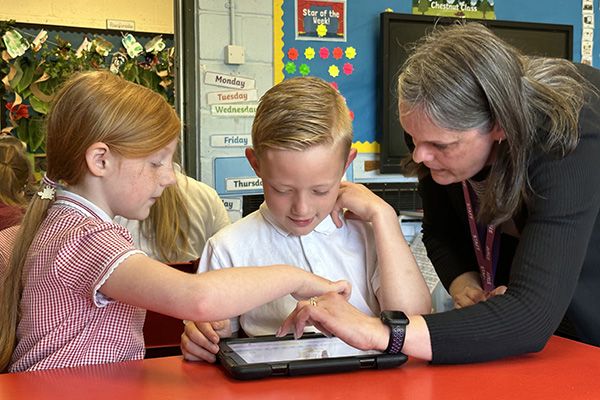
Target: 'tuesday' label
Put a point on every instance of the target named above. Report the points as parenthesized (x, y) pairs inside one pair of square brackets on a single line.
[(232, 96)]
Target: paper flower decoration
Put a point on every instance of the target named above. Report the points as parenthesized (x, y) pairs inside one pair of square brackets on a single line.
[(334, 71), (17, 111), (304, 69), (350, 53), (352, 115), (338, 53), (334, 85), (155, 45), (324, 53), (85, 46), (118, 60), (309, 53), (348, 69), (39, 40), (293, 54), (290, 68), (102, 46), (321, 30)]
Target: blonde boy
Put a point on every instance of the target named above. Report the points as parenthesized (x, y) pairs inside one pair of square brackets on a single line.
[(302, 136)]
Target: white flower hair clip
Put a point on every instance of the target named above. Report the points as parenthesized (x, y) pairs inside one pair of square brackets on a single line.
[(48, 190), (47, 193)]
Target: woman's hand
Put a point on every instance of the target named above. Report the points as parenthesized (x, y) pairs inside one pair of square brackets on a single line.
[(466, 290), (333, 315)]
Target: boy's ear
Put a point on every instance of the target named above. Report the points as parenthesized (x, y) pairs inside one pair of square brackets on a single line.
[(97, 158), (253, 160), (351, 156)]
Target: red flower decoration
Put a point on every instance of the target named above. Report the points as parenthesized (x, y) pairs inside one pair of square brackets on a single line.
[(17, 112), (348, 68), (324, 53), (334, 85), (352, 115), (338, 53), (293, 54)]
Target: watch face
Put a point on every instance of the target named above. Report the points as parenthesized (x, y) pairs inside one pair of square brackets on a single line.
[(395, 317)]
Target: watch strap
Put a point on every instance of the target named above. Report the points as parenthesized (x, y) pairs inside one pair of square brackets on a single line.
[(397, 334)]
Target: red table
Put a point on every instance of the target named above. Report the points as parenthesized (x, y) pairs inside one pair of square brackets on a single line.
[(563, 370)]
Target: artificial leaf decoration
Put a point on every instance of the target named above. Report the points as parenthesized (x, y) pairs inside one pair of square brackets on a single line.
[(31, 74)]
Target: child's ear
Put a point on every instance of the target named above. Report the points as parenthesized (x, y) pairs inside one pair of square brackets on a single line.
[(351, 156), (253, 160), (97, 158)]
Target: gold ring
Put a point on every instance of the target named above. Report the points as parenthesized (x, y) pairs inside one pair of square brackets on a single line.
[(313, 301)]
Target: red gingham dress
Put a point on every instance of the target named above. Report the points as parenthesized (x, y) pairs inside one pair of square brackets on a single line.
[(65, 319)]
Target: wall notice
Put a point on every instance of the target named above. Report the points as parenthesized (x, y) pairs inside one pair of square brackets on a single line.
[(321, 20)]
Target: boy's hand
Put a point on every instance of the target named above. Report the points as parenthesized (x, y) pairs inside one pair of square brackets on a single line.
[(199, 341), (358, 202)]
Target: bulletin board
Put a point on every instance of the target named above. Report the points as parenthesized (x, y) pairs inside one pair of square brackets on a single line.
[(351, 65), (348, 61), (75, 36)]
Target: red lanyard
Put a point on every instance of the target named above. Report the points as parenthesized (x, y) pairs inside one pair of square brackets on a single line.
[(487, 262)]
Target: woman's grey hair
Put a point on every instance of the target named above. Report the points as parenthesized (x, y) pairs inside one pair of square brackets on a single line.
[(464, 77)]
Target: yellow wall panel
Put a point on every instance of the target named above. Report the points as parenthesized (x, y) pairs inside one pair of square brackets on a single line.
[(148, 15)]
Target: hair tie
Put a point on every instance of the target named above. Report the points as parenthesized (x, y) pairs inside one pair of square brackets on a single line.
[(48, 188), (49, 182)]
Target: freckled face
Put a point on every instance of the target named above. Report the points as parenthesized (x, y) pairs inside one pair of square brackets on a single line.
[(451, 156), (301, 187), (139, 182)]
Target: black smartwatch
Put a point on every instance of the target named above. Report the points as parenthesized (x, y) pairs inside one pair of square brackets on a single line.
[(397, 322)]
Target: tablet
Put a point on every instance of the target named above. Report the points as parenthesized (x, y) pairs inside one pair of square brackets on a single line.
[(263, 356)]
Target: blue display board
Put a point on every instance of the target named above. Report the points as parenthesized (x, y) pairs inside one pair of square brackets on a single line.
[(362, 31)]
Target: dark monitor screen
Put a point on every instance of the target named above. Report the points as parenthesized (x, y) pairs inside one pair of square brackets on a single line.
[(399, 31)]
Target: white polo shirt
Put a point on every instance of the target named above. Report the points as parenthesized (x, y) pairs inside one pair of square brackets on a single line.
[(256, 240)]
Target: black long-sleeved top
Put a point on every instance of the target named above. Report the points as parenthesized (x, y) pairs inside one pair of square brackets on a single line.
[(552, 270)]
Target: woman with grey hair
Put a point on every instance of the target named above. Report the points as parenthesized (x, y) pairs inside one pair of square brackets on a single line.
[(507, 148)]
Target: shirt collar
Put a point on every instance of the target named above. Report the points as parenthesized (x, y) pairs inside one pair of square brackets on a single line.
[(325, 227), (81, 204)]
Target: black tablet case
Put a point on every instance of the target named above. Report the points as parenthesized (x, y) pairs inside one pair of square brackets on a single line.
[(239, 369)]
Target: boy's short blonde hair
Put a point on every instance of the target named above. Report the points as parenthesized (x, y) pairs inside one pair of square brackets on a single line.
[(299, 113)]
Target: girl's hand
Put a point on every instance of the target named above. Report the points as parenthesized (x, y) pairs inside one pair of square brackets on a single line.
[(315, 285)]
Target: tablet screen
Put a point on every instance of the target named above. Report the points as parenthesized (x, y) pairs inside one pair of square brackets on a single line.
[(289, 350)]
